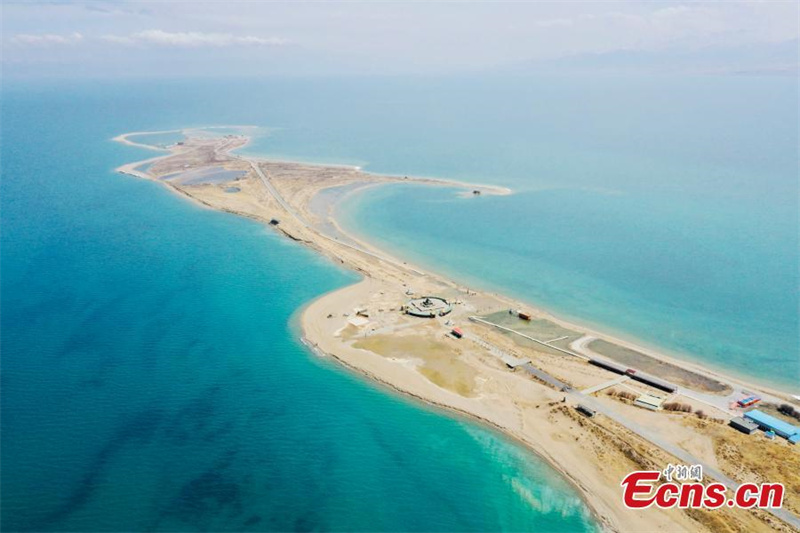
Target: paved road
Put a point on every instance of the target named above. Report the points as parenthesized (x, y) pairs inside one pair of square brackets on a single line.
[(274, 192), (510, 360), (289, 209), (605, 385), (716, 401), (672, 449), (685, 457), (515, 332)]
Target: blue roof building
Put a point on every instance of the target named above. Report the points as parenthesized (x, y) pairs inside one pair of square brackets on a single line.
[(769, 422)]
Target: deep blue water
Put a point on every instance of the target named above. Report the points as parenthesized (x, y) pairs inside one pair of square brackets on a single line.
[(151, 374)]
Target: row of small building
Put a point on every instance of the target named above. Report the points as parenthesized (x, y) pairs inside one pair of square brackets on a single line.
[(635, 375), (755, 419)]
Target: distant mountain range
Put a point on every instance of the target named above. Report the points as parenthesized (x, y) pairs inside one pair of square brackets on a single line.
[(762, 58)]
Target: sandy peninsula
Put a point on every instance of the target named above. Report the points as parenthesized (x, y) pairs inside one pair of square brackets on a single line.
[(522, 373)]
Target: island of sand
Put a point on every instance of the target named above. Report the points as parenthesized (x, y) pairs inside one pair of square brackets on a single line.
[(595, 407)]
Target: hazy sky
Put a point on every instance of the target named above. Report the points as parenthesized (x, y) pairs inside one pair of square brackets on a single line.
[(104, 37)]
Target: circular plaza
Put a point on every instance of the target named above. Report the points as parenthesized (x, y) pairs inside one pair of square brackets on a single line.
[(428, 307)]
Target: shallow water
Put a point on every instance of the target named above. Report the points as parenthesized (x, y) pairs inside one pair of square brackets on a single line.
[(204, 175), (713, 287), (661, 209), (324, 204), (158, 139)]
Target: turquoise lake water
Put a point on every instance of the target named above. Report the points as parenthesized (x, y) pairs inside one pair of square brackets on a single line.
[(152, 376), (660, 209)]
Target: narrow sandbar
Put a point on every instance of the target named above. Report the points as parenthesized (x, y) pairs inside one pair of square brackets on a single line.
[(363, 326)]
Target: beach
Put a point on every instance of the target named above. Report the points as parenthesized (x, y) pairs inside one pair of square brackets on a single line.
[(363, 327)]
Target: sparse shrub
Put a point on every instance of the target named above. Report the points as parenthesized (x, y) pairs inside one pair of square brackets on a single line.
[(625, 395), (701, 414), (671, 406), (677, 407), (789, 410)]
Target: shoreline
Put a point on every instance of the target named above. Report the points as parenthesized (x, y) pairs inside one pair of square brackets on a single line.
[(601, 331), (123, 138), (445, 409), (602, 519), (485, 188), (381, 272)]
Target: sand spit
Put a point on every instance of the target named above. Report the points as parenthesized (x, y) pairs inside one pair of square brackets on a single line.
[(362, 327), (125, 139)]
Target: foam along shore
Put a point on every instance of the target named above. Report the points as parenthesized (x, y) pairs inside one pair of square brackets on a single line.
[(362, 326)]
